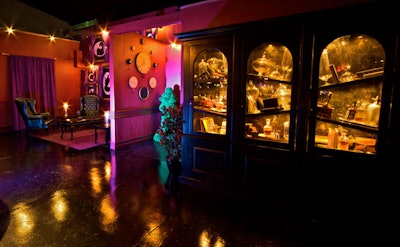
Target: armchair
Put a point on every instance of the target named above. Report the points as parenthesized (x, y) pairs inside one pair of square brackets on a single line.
[(32, 118)]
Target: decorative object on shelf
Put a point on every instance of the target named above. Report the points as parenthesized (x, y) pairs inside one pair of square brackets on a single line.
[(143, 62), (373, 112), (170, 135), (325, 109), (133, 82), (253, 94), (152, 82)]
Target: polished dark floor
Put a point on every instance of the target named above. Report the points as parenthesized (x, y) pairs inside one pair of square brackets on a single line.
[(54, 196)]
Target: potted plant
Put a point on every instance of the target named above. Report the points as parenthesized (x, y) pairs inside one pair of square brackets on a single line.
[(169, 135), (170, 132)]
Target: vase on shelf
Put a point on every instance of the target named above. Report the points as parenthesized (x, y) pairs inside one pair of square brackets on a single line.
[(174, 168)]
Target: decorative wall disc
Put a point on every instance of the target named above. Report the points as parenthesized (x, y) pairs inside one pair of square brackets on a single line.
[(133, 82), (152, 82)]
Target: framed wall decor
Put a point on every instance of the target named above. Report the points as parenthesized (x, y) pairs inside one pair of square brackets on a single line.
[(92, 88), (89, 81), (105, 83), (98, 48)]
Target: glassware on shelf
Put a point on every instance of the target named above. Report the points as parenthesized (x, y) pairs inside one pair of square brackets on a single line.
[(286, 125), (324, 71), (252, 93), (286, 65), (373, 112), (267, 127), (263, 65), (283, 94), (272, 60), (343, 141)]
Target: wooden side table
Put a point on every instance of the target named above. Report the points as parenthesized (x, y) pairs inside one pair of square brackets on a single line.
[(106, 128), (59, 119)]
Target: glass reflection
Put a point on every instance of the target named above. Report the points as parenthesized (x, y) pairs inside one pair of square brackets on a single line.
[(107, 171), (108, 215), (155, 236), (24, 220), (95, 179), (59, 205), (205, 240)]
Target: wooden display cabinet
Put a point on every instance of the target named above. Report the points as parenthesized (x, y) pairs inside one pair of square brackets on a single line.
[(208, 66), (312, 81)]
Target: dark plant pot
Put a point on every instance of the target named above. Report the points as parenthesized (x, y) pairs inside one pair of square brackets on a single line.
[(175, 169)]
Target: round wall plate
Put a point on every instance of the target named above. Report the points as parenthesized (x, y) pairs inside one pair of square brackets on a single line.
[(133, 82), (143, 93), (152, 82), (143, 62)]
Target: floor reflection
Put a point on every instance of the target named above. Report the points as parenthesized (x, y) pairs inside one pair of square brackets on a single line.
[(53, 197)]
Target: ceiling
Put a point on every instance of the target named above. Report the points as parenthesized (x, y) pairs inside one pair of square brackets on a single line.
[(76, 12)]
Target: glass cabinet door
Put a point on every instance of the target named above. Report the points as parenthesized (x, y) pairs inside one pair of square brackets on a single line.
[(210, 92), (350, 89), (268, 93)]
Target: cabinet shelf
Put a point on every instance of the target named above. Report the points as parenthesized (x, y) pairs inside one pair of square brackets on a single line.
[(266, 78), (350, 83), (209, 110), (351, 124), (268, 111)]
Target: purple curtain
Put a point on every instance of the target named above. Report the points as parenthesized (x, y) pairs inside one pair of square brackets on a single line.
[(32, 77)]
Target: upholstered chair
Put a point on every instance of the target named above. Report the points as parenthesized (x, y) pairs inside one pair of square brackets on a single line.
[(32, 118)]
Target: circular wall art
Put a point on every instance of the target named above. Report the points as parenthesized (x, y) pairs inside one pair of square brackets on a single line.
[(133, 82), (143, 62), (143, 93), (152, 82), (99, 49)]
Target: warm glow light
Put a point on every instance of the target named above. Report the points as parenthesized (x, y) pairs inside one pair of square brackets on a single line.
[(104, 32), (107, 117), (10, 30), (65, 106), (59, 205), (52, 38), (175, 46), (96, 180), (108, 215), (24, 220)]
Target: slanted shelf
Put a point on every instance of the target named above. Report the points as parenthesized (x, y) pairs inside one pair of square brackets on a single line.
[(268, 93), (350, 88), (210, 92)]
